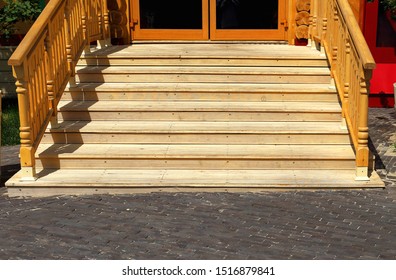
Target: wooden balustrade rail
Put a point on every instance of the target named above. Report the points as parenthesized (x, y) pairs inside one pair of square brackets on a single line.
[(44, 63), (334, 27)]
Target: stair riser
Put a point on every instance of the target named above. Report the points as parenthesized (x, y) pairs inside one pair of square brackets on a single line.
[(201, 116), (201, 96), (203, 62), (195, 164), (202, 78), (202, 138)]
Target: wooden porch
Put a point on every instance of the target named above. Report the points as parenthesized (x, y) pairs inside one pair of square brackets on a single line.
[(226, 116)]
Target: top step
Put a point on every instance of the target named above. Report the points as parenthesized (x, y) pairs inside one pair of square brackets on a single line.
[(206, 54)]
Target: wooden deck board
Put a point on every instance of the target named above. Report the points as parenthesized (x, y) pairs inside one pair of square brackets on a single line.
[(209, 50), (135, 181), (209, 151), (202, 106), (186, 127), (202, 87)]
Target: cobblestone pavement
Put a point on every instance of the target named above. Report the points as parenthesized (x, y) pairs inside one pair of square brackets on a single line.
[(333, 224)]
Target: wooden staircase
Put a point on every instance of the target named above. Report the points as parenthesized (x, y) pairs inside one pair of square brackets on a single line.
[(171, 117)]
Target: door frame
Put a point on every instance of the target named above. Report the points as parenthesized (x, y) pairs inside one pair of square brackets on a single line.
[(209, 32), (250, 34), (168, 34)]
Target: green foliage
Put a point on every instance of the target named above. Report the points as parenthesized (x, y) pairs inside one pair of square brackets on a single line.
[(389, 4), (15, 11), (10, 123)]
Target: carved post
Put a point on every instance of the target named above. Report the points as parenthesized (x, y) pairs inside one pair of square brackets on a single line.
[(28, 162), (312, 24), (347, 78), (69, 46), (104, 24), (50, 80), (106, 18), (85, 18), (314, 30), (362, 151)]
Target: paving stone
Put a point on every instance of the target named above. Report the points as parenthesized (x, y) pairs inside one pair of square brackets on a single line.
[(339, 224)]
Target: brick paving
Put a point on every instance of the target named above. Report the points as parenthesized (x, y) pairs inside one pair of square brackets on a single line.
[(333, 224)]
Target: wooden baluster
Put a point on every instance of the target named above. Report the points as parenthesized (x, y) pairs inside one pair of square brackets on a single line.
[(362, 151), (50, 82), (106, 18), (312, 24), (85, 14), (69, 46), (28, 162), (347, 79)]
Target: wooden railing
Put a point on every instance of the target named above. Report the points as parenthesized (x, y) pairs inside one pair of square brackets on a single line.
[(335, 29), (44, 63)]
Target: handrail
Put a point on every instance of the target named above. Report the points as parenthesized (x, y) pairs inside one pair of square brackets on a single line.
[(352, 25), (44, 62), (335, 29), (31, 38)]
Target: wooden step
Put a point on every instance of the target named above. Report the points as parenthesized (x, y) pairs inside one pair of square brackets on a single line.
[(120, 181), (157, 132), (202, 74), (201, 91), (230, 117), (206, 54), (199, 111), (141, 156)]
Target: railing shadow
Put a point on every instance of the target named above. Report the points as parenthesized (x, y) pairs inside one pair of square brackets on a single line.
[(84, 92)]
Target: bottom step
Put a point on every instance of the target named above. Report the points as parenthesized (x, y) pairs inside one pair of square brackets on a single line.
[(99, 181)]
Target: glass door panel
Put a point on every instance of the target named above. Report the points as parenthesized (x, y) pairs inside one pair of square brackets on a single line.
[(248, 20), (170, 19), (192, 19)]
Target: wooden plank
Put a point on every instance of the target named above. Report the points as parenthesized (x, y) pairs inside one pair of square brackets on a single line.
[(204, 69), (136, 181), (193, 138), (210, 50), (201, 106), (201, 96), (209, 151), (201, 91), (290, 116), (199, 87), (226, 61), (200, 127), (204, 78), (195, 164)]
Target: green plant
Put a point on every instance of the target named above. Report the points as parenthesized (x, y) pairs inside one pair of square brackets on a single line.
[(10, 123), (15, 11)]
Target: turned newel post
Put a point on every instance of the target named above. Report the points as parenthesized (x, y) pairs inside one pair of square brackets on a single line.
[(28, 163), (363, 153)]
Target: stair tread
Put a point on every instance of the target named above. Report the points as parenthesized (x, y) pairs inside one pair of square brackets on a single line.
[(236, 70), (169, 151), (103, 126), (176, 106), (203, 87), (181, 50), (281, 178)]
